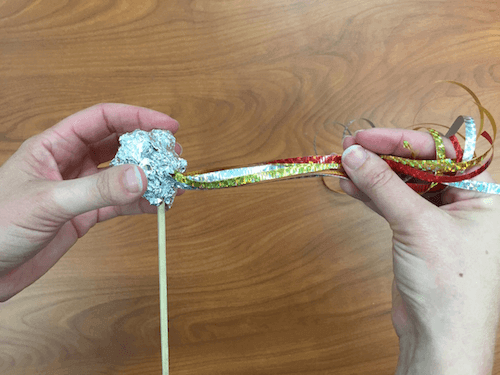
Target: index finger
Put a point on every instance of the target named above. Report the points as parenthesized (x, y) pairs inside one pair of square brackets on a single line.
[(384, 141), (95, 131), (96, 123)]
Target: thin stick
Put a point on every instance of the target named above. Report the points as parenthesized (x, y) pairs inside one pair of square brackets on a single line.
[(162, 262)]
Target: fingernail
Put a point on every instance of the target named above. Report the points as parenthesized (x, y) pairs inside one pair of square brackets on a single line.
[(354, 157), (133, 180), (346, 135), (359, 131), (180, 152)]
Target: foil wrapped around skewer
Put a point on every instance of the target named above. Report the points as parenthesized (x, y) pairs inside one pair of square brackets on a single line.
[(154, 152)]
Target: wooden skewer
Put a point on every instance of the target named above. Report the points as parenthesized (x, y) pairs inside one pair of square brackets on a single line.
[(162, 262)]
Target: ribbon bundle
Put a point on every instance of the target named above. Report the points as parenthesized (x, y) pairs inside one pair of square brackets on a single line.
[(154, 152)]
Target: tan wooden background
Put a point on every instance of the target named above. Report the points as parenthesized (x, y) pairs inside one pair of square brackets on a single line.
[(279, 278)]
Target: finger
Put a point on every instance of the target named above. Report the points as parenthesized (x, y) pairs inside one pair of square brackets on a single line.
[(385, 141), (395, 200), (76, 133), (98, 122), (140, 206), (348, 141), (117, 186), (390, 141), (351, 190)]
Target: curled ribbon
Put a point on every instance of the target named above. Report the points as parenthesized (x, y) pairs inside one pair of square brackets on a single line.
[(430, 175), (421, 175)]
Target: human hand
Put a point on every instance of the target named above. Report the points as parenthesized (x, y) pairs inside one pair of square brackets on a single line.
[(52, 191), (446, 259)]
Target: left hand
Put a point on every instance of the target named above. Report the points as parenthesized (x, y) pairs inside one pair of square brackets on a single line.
[(52, 191)]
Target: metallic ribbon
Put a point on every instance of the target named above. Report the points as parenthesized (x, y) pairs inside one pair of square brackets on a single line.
[(154, 152)]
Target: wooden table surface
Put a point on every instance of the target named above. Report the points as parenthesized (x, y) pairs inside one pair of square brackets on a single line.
[(279, 278)]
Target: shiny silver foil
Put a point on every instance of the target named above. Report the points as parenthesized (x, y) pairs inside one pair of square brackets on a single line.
[(470, 138), (154, 152), (227, 174)]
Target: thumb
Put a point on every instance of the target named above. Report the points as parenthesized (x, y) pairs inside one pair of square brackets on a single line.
[(395, 200), (115, 186)]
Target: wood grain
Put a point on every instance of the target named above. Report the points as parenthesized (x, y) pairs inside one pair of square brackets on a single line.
[(280, 278)]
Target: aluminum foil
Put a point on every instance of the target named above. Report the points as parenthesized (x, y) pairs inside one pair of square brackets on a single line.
[(470, 138), (469, 148), (154, 152)]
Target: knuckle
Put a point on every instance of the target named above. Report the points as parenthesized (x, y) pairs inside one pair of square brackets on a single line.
[(103, 191), (380, 179), (28, 146)]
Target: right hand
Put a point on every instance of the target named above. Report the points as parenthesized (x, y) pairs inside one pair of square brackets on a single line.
[(446, 259)]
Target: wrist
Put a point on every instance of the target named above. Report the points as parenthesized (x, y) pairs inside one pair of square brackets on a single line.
[(470, 354)]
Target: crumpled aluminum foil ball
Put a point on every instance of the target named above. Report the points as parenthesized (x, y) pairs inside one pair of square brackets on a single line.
[(154, 152)]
